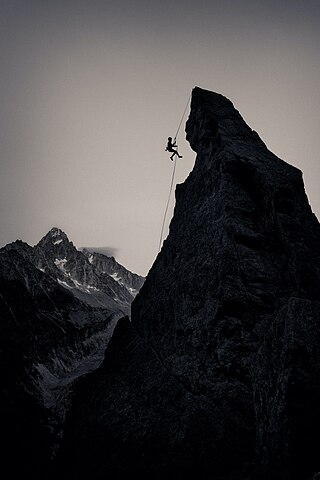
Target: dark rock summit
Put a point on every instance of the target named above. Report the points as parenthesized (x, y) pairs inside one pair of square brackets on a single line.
[(217, 375)]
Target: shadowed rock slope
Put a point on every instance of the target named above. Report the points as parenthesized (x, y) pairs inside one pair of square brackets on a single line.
[(217, 376)]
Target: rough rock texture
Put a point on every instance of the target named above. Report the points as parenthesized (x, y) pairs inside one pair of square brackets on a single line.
[(96, 279), (217, 376), (104, 265), (57, 314)]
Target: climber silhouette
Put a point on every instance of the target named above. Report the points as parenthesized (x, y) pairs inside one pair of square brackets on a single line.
[(170, 148)]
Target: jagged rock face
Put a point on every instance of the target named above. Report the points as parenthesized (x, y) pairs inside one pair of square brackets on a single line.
[(94, 278), (57, 316), (217, 374), (104, 265)]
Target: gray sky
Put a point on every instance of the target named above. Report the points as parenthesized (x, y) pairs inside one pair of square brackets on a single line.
[(90, 91)]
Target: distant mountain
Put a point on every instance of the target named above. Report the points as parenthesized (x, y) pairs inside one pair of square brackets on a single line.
[(58, 309), (96, 279)]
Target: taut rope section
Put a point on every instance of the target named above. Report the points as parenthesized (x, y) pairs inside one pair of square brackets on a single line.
[(184, 112), (173, 174), (165, 213)]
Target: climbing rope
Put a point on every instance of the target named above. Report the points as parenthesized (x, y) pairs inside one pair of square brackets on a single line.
[(184, 112), (173, 174)]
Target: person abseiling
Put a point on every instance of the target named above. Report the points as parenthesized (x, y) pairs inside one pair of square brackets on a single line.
[(171, 148)]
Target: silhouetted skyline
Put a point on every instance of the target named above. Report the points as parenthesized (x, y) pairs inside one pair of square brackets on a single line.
[(91, 90)]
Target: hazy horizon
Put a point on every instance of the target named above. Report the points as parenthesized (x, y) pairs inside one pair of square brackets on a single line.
[(91, 90)]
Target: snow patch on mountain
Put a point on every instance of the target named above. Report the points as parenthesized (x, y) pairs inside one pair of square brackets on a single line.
[(60, 262), (116, 277), (63, 283)]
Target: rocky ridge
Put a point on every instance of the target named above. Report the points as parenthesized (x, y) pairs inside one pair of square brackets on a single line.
[(96, 279)]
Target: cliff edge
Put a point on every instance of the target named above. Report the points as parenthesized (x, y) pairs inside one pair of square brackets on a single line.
[(217, 374)]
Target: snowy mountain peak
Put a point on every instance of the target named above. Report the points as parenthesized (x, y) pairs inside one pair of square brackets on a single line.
[(55, 236), (96, 279), (56, 244), (55, 231)]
